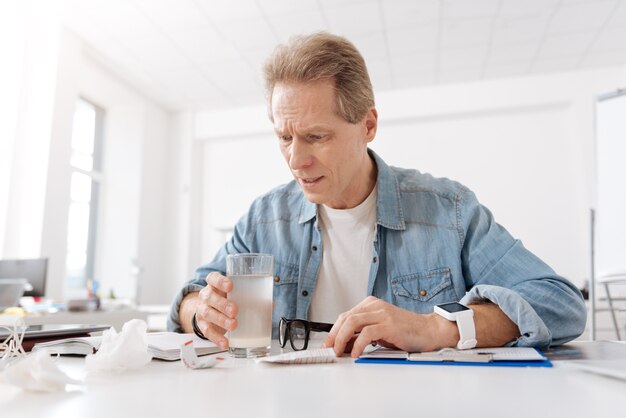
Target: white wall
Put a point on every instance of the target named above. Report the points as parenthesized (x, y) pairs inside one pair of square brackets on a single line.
[(34, 197), (133, 200), (30, 120), (12, 45), (524, 145), (182, 234), (611, 193), (55, 211)]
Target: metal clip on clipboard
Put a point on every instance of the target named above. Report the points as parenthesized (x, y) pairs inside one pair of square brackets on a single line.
[(452, 355)]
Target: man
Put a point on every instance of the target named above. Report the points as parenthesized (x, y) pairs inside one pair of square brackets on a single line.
[(370, 247)]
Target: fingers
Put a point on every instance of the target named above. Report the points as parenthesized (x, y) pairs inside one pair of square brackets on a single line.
[(329, 341), (214, 295), (368, 334), (368, 304), (213, 333), (221, 304), (219, 282), (356, 323), (215, 314)]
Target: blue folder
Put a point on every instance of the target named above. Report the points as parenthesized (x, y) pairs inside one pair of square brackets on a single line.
[(496, 363)]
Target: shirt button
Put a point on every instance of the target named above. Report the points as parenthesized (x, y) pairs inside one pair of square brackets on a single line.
[(423, 292), (276, 279), (314, 248), (305, 293), (375, 260)]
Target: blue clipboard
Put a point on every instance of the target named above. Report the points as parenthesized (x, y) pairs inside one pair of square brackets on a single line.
[(536, 363)]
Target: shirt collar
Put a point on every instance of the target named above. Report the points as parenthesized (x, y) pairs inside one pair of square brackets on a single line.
[(388, 207)]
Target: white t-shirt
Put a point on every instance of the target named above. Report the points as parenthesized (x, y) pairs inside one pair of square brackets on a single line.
[(348, 244)]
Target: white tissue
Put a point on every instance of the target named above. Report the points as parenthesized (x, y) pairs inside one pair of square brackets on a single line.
[(37, 372), (124, 351)]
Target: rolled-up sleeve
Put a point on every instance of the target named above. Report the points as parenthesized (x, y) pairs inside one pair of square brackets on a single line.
[(547, 308), (173, 320)]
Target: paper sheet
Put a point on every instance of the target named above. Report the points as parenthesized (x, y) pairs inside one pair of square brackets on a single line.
[(191, 360), (495, 353), (316, 355), (508, 353)]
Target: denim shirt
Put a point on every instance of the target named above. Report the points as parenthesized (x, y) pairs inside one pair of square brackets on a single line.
[(434, 243)]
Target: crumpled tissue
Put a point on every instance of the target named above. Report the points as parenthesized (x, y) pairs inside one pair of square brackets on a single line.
[(127, 350), (37, 372)]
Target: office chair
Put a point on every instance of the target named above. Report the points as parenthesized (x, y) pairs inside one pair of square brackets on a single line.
[(609, 278)]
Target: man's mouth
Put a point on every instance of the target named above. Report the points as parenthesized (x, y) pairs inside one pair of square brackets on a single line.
[(310, 180)]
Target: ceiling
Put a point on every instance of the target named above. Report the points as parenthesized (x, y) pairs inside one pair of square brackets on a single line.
[(207, 54)]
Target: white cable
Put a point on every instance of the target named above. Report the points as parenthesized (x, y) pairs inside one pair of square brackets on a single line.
[(11, 347)]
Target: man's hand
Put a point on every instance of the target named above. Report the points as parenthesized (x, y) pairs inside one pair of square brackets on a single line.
[(215, 314), (375, 320)]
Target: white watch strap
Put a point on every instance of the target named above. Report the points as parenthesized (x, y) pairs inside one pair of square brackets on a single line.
[(467, 330)]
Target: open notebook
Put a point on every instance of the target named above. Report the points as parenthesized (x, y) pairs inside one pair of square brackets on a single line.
[(162, 345)]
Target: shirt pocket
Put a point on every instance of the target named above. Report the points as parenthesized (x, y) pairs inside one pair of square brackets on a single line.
[(285, 292), (419, 292)]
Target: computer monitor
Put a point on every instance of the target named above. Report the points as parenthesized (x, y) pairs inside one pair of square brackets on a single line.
[(33, 270)]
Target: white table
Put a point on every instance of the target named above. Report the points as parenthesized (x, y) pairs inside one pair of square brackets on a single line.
[(242, 388)]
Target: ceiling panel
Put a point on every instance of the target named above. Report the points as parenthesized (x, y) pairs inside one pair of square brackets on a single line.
[(354, 19), (224, 11), (516, 30), (287, 25), (462, 58), (570, 44), (549, 65), (282, 7), (463, 33), (610, 39), (606, 58), (189, 15), (190, 54), (582, 16), (527, 9), (400, 14), (410, 40), (506, 70), (463, 9), (618, 18), (248, 33), (509, 54)]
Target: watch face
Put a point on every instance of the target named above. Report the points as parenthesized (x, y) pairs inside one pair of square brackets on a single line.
[(453, 307)]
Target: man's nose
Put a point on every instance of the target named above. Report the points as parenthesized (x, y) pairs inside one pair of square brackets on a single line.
[(300, 156)]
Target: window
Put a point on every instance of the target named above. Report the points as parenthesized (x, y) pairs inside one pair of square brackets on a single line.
[(86, 179)]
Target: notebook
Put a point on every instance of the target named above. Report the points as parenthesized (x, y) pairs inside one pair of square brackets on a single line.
[(35, 334), (162, 345)]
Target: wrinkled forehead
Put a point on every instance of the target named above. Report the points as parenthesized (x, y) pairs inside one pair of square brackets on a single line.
[(296, 98)]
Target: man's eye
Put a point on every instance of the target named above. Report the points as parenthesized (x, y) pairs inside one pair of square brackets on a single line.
[(315, 137), (285, 138)]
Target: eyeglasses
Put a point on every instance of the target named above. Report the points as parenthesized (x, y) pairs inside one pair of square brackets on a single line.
[(297, 332)]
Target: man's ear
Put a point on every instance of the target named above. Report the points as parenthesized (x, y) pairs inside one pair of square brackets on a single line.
[(371, 124)]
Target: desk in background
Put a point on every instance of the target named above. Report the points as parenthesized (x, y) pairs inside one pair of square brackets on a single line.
[(242, 388), (116, 317)]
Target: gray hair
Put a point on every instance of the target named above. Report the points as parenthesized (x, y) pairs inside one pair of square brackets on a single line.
[(323, 56)]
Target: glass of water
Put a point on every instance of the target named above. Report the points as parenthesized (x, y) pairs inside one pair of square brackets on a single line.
[(253, 285)]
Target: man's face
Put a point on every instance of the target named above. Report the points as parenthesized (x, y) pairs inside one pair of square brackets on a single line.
[(326, 154)]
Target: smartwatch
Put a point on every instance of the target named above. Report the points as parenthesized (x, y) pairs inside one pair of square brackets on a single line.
[(464, 318)]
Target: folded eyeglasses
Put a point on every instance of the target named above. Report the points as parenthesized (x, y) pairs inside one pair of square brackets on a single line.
[(297, 331)]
